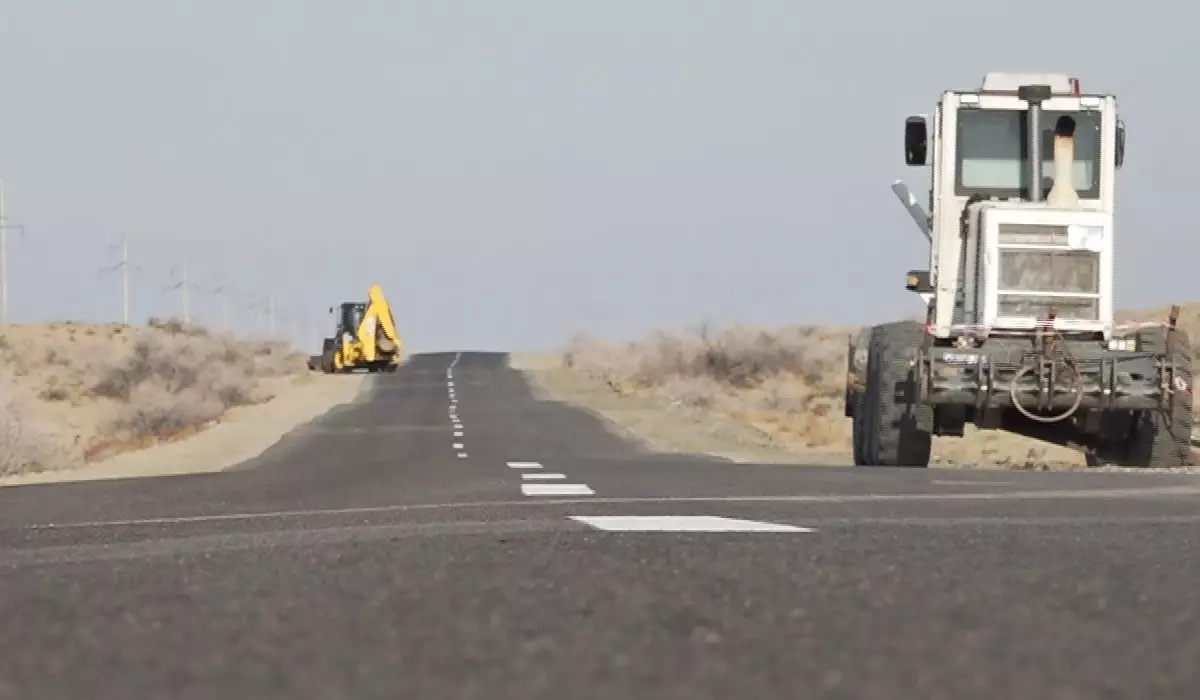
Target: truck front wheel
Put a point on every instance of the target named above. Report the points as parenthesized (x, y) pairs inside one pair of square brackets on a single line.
[(891, 428)]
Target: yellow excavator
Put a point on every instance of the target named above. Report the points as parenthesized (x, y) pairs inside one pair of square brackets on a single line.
[(365, 337)]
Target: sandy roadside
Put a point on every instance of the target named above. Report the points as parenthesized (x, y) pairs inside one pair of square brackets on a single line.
[(660, 425), (242, 434)]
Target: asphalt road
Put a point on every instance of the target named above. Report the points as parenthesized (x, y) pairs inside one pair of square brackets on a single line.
[(449, 536)]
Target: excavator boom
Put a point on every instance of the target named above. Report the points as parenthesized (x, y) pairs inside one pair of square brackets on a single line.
[(377, 332)]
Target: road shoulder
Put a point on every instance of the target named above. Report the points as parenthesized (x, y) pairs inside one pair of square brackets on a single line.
[(241, 434)]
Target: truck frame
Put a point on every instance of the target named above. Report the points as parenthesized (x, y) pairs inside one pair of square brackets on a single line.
[(1018, 331)]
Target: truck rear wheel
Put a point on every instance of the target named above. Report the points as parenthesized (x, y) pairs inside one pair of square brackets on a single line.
[(891, 428), (1162, 438)]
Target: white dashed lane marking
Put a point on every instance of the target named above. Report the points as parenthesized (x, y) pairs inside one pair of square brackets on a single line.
[(453, 412), (556, 490), (547, 489), (681, 523)]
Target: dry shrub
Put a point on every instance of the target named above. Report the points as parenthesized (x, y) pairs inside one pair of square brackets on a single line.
[(27, 443), (786, 380), (176, 377)]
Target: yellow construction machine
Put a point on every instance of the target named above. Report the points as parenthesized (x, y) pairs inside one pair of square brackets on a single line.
[(365, 337)]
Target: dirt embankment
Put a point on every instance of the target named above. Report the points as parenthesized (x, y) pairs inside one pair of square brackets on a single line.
[(757, 394), (88, 400)]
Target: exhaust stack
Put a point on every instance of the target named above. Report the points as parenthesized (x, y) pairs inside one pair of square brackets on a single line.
[(1062, 194)]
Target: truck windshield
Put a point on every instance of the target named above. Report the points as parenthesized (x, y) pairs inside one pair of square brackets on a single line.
[(993, 151)]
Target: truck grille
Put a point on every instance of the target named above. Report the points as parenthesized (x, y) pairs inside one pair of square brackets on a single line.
[(1038, 270)]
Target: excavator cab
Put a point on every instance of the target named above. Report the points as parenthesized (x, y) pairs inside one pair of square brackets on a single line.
[(351, 317)]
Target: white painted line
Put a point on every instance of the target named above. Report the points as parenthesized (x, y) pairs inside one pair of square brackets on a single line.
[(458, 426), (450, 383), (556, 490), (533, 476), (681, 523), (462, 455), (1007, 520), (525, 465), (458, 446), (458, 433)]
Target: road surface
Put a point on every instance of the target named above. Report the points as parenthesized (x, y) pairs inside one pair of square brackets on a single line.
[(449, 536)]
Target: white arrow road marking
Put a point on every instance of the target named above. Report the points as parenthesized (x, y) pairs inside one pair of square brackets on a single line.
[(681, 523), (556, 490)]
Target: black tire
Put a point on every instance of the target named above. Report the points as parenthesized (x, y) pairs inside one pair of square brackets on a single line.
[(1162, 439), (892, 430), (849, 399), (857, 430), (327, 355)]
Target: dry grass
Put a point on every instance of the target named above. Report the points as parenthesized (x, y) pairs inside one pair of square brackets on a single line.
[(786, 383), (77, 393)]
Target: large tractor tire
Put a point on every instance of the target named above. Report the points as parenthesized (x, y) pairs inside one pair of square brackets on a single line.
[(1162, 439), (890, 428), (856, 427), (327, 350)]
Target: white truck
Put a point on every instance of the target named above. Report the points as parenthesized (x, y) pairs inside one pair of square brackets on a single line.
[(1019, 332)]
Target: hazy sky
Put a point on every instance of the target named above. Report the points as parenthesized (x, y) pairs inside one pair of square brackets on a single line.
[(513, 171)]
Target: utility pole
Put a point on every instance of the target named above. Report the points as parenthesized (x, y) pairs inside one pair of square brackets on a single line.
[(3, 259), (123, 266), (184, 287), (223, 290), (4, 227)]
